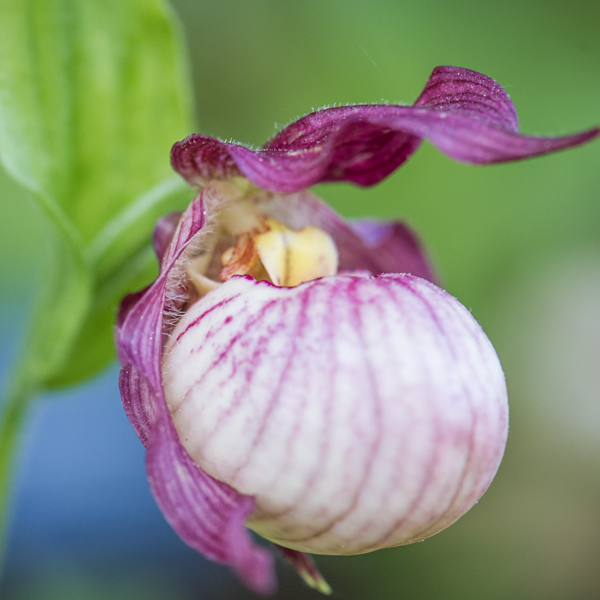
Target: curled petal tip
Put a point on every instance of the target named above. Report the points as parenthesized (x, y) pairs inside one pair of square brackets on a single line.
[(259, 573), (200, 158), (317, 584), (306, 568), (253, 564), (589, 135)]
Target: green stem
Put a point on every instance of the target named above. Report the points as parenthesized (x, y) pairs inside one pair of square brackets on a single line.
[(15, 409)]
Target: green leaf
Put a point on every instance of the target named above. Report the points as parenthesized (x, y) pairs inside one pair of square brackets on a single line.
[(93, 348), (93, 93), (92, 96), (123, 235), (123, 262), (61, 307), (63, 303)]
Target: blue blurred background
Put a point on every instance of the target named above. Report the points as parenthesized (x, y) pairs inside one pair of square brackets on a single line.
[(518, 244)]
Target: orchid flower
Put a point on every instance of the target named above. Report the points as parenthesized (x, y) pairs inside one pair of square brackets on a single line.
[(303, 376)]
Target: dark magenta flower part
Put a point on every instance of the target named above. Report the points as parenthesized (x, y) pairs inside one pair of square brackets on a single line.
[(465, 114), (208, 514)]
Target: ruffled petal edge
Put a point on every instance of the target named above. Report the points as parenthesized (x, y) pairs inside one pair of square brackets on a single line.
[(465, 114)]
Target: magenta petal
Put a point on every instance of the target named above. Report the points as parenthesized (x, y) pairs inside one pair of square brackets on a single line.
[(470, 93), (161, 238), (200, 158), (207, 514), (125, 307), (465, 114), (139, 402), (252, 564)]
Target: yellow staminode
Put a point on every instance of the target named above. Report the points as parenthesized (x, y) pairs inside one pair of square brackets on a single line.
[(292, 257)]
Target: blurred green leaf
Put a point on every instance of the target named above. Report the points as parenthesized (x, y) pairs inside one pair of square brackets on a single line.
[(61, 306), (92, 347), (123, 261), (93, 94)]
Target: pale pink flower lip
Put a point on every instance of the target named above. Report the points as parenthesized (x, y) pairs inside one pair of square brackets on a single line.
[(351, 412), (360, 412)]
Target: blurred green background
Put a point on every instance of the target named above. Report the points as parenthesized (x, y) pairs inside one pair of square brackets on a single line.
[(518, 244)]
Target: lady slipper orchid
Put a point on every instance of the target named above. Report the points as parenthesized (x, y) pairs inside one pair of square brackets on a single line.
[(300, 375)]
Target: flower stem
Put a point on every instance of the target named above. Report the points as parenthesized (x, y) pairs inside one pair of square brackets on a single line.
[(14, 411)]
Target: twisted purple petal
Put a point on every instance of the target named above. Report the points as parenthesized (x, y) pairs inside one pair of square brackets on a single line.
[(207, 514), (465, 114), (470, 93)]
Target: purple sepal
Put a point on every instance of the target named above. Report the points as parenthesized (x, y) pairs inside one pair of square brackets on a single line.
[(139, 402), (451, 89), (465, 114), (207, 514)]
